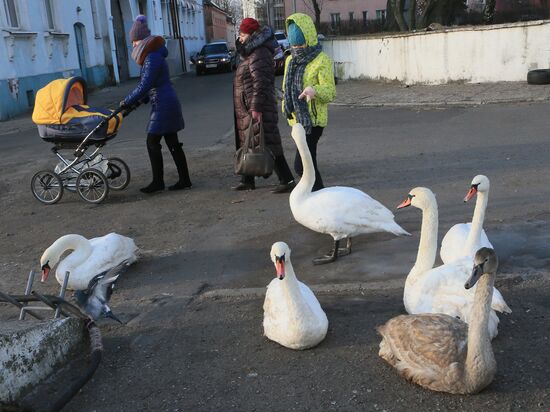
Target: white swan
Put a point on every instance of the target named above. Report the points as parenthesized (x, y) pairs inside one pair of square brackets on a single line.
[(463, 239), (440, 352), (342, 212), (292, 314), (88, 259), (439, 290)]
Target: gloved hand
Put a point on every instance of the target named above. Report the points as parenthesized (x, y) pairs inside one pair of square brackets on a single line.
[(308, 93), (122, 104), (256, 116)]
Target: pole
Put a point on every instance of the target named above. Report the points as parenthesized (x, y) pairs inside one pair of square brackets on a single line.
[(112, 43)]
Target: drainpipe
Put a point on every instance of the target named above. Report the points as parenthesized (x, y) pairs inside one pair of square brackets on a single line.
[(294, 6), (112, 40)]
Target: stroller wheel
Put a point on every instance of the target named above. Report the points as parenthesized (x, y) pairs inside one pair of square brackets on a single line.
[(118, 173), (92, 186), (47, 187)]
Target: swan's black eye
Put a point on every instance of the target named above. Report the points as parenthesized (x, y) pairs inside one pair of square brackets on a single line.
[(475, 186), (280, 258), (46, 265), (410, 196)]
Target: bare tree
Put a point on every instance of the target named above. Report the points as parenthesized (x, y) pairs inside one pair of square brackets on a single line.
[(315, 6), (489, 11), (422, 13)]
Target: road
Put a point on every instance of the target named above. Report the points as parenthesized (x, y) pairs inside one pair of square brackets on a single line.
[(212, 238)]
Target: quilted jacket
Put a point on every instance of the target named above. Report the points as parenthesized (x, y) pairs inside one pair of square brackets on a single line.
[(319, 73), (155, 85)]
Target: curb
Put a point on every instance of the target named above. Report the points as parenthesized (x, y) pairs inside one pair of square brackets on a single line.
[(359, 287), (458, 103)]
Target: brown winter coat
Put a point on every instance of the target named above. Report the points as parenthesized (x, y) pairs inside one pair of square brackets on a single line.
[(254, 89)]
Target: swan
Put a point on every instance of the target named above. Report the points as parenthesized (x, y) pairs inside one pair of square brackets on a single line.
[(292, 314), (342, 212), (438, 290), (440, 352), (463, 239), (88, 258)]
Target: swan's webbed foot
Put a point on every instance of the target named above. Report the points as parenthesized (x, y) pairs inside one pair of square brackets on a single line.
[(331, 257), (343, 251)]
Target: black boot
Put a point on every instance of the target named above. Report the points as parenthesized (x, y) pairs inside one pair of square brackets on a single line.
[(178, 155), (247, 183), (157, 167)]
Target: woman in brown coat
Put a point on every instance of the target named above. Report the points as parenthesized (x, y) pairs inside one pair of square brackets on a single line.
[(254, 98)]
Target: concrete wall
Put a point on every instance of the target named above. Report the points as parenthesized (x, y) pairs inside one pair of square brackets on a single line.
[(473, 54), (29, 352)]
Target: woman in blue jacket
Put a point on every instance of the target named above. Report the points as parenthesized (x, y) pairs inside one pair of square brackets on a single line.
[(166, 119)]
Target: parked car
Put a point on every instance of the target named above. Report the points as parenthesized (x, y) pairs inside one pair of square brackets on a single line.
[(279, 60), (214, 56), (282, 40)]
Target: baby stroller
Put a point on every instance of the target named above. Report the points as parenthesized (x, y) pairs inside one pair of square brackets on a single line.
[(64, 119)]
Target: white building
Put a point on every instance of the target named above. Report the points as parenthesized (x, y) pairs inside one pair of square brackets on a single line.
[(41, 40)]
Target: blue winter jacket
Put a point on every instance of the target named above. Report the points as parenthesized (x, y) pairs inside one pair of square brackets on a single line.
[(155, 84)]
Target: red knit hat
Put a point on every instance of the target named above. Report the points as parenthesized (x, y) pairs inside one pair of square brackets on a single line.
[(249, 25)]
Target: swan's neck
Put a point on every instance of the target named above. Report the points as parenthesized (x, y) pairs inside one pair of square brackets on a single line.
[(291, 289), (308, 177), (81, 248), (472, 241), (480, 360), (427, 248)]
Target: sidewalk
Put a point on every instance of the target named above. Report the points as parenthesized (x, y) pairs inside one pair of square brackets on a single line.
[(367, 93), (361, 93)]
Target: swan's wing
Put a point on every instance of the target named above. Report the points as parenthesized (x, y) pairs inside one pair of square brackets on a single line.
[(427, 340), (108, 252), (275, 311), (452, 244), (351, 210), (312, 301)]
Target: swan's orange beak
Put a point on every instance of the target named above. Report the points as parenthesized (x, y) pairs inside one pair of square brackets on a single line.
[(471, 193), (280, 267), (45, 272), (405, 203)]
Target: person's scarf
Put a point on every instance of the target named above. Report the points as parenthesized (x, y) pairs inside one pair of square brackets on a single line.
[(256, 39), (146, 46), (301, 57)]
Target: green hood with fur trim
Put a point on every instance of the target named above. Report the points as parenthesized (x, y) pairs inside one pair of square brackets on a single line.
[(319, 73)]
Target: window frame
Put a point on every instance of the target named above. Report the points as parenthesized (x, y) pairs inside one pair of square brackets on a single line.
[(50, 15), (9, 17)]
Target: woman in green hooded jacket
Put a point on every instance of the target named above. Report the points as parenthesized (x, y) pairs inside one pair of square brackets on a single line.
[(308, 86)]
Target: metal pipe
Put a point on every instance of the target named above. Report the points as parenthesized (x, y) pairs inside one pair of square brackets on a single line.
[(48, 302), (28, 289), (62, 293), (7, 298)]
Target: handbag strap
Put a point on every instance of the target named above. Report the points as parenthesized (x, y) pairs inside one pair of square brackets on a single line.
[(249, 140)]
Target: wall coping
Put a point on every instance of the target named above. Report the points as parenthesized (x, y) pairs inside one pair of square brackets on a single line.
[(443, 30)]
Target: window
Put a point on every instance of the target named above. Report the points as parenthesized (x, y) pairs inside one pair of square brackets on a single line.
[(335, 20), (381, 15), (95, 19), (11, 13), (351, 17), (49, 14), (365, 18)]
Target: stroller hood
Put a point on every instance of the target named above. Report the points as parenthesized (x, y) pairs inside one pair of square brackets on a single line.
[(56, 97)]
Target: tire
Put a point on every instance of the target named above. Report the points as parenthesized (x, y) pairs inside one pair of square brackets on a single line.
[(92, 186), (539, 76), (118, 174), (47, 187)]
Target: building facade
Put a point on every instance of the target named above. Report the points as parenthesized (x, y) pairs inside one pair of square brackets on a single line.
[(42, 40), (218, 23), (337, 12)]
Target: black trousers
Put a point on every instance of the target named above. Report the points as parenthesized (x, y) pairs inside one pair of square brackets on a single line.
[(154, 148), (312, 140), (281, 168)]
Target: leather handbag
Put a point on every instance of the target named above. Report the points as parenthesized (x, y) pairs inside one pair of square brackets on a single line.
[(251, 159)]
